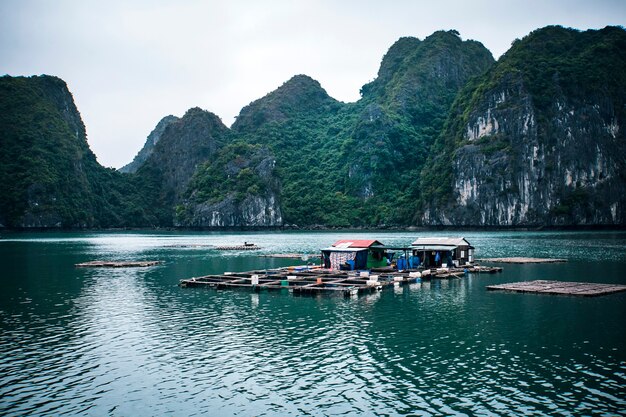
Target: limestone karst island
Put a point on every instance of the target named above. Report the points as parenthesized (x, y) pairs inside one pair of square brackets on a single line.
[(444, 135)]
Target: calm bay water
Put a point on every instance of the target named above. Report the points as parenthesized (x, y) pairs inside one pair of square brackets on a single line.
[(131, 342)]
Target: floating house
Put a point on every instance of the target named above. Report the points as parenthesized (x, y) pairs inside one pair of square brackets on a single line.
[(355, 255), (443, 251)]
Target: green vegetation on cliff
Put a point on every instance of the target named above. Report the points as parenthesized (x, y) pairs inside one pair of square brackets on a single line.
[(48, 175), (183, 145), (358, 164), (235, 170), (555, 103), (441, 136)]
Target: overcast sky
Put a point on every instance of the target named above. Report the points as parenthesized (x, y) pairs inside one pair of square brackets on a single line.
[(130, 63)]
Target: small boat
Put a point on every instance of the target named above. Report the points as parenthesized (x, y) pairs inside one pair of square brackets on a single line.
[(245, 246)]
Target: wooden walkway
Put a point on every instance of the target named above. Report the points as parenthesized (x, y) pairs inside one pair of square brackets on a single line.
[(582, 289)]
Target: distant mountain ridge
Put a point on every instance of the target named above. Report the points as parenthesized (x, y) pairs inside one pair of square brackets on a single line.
[(443, 136)]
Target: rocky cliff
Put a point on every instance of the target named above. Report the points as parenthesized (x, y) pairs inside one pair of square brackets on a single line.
[(442, 136), (540, 139), (238, 188), (403, 110), (356, 164), (184, 145), (196, 177), (297, 123), (148, 147), (49, 178)]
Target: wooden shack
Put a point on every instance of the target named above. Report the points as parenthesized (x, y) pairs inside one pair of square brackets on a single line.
[(435, 252), (355, 254)]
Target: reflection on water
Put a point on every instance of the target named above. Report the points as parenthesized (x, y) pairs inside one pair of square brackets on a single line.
[(130, 342)]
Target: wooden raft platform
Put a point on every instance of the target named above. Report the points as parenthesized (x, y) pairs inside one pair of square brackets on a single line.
[(114, 264), (314, 280), (302, 282), (521, 260), (582, 289)]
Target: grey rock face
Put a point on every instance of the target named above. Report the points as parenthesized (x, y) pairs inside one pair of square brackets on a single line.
[(563, 166), (253, 211), (238, 207)]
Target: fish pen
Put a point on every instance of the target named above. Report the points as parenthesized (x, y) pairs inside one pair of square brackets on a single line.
[(303, 282), (580, 289), (314, 280)]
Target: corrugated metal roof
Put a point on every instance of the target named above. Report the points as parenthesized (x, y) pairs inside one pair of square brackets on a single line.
[(446, 241), (347, 243), (335, 249)]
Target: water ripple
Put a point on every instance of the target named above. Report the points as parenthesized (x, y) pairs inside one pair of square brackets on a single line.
[(130, 342)]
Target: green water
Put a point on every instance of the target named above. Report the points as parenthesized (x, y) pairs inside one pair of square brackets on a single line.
[(131, 342)]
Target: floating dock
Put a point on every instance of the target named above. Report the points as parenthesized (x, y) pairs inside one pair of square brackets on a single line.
[(520, 260), (114, 264), (315, 280), (581, 289)]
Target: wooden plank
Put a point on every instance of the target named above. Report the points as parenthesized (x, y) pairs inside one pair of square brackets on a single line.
[(117, 264)]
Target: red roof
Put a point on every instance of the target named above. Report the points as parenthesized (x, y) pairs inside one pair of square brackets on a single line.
[(351, 243)]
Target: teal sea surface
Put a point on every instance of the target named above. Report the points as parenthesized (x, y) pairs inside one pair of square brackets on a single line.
[(130, 342)]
